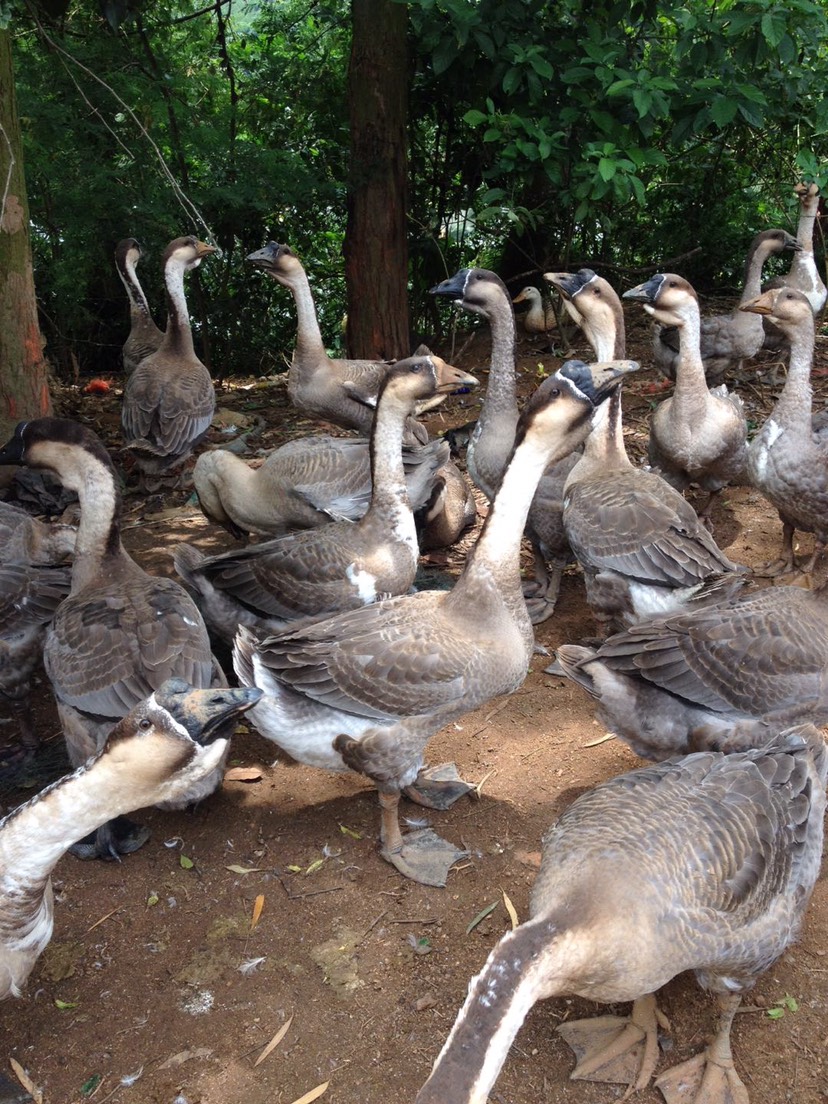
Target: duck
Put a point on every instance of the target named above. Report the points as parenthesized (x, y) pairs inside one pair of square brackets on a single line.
[(704, 862), (697, 435), (120, 633), (720, 678), (539, 320), (366, 689), (339, 566), (642, 547), (788, 459), (593, 304), (340, 391), (727, 340), (160, 750), (144, 336), (169, 400)]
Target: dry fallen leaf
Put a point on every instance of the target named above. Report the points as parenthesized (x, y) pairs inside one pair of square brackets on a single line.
[(601, 740), (244, 774), (510, 908), (258, 905), (274, 1042), (244, 869), (185, 1056), (26, 1081), (314, 1094)]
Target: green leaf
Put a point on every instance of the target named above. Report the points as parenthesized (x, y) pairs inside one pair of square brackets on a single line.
[(64, 1005), (607, 168), (474, 117), (774, 27), (723, 111), (152, 900), (88, 1087), (481, 916), (775, 1013), (187, 864)]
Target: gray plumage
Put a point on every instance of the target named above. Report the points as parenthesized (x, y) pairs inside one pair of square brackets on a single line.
[(144, 336)]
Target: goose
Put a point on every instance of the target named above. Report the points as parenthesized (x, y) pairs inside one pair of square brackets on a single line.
[(697, 435), (169, 400), (339, 566), (539, 319), (481, 291), (702, 863), (787, 459), (340, 391), (593, 304), (727, 339), (449, 512), (120, 633), (158, 752), (641, 545), (804, 274), (144, 336), (721, 678), (366, 689)]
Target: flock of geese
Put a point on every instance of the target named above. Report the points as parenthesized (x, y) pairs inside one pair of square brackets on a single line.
[(704, 861)]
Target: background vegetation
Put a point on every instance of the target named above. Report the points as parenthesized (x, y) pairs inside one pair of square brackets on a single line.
[(542, 135)]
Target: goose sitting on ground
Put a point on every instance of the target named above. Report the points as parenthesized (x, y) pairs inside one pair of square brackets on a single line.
[(643, 550), (727, 339), (803, 275), (121, 633), (593, 304), (157, 753), (539, 320), (704, 863), (144, 336), (339, 566), (368, 688), (724, 678), (169, 399), (340, 391), (697, 435), (787, 460)]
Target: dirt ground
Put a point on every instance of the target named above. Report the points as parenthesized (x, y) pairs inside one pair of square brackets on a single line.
[(159, 988)]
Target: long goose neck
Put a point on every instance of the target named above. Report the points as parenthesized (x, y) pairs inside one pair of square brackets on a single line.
[(604, 449), (501, 390), (754, 263), (521, 970), (793, 407), (389, 495), (178, 338), (138, 306), (309, 341), (606, 334), (99, 531), (691, 383), (804, 259)]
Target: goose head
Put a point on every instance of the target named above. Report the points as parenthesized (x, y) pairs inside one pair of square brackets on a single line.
[(127, 253), (592, 302), (669, 298), (187, 252), (172, 740), (59, 445), (774, 241), (529, 295), (786, 307), (478, 290), (421, 376), (278, 261)]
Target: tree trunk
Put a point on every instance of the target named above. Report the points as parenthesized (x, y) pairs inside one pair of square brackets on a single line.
[(24, 387), (376, 248)]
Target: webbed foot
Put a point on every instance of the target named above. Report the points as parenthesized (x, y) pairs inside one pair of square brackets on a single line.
[(438, 787), (117, 837), (618, 1049), (702, 1080), (425, 857)]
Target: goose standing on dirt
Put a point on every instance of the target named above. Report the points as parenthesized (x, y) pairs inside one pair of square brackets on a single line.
[(368, 688), (593, 304), (539, 320), (643, 550), (144, 336), (121, 633), (727, 340), (704, 863), (722, 678), (339, 566), (340, 391), (157, 753), (787, 460), (169, 399), (697, 435)]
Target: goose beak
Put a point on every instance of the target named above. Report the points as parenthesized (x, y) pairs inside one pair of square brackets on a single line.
[(451, 378), (13, 451), (204, 250), (763, 304), (521, 297), (265, 258), (569, 283), (646, 292), (607, 377), (205, 712), (452, 288)]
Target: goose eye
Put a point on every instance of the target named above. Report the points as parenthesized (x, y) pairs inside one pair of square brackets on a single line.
[(145, 723), (554, 392)]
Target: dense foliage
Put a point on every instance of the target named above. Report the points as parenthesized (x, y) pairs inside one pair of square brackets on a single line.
[(541, 135)]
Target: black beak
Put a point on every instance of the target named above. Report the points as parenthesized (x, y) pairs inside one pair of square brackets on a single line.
[(205, 712)]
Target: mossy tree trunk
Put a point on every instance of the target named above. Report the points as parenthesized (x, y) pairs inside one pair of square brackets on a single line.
[(24, 387), (376, 249)]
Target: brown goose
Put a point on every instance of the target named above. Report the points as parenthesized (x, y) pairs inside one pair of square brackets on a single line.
[(643, 550), (144, 336), (593, 304), (157, 753), (787, 460), (727, 339), (367, 689), (704, 863), (339, 566), (340, 391), (121, 633), (169, 399), (539, 320), (722, 678), (804, 274), (697, 435)]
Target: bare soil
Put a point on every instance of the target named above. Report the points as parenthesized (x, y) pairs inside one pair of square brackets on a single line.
[(158, 987)]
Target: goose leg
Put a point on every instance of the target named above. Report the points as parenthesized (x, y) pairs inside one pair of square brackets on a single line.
[(422, 855), (617, 1049), (117, 837), (541, 593), (784, 563), (710, 1077)]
